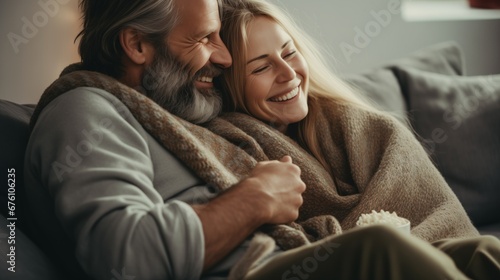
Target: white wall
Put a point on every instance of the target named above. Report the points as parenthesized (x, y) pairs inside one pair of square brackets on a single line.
[(25, 73), (334, 23), (37, 43)]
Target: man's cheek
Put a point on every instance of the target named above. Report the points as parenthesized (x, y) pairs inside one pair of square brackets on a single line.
[(198, 62)]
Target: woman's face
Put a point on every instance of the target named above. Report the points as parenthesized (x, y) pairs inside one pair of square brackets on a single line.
[(276, 75)]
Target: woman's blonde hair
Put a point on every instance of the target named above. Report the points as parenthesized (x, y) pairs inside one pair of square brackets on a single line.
[(237, 14)]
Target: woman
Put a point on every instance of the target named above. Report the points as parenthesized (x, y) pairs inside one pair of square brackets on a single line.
[(292, 51), (278, 76)]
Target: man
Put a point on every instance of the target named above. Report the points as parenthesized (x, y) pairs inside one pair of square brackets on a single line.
[(105, 190), (171, 50)]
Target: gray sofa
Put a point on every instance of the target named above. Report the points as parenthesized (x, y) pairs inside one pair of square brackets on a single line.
[(456, 117)]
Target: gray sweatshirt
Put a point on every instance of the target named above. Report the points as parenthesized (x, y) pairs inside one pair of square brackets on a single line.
[(110, 189)]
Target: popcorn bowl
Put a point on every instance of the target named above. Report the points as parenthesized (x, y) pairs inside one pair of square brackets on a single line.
[(405, 227), (385, 217)]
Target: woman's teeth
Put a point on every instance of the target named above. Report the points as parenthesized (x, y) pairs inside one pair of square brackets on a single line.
[(286, 97)]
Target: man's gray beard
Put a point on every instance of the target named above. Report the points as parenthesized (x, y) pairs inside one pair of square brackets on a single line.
[(169, 84)]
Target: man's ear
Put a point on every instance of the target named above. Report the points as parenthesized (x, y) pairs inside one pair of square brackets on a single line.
[(135, 47)]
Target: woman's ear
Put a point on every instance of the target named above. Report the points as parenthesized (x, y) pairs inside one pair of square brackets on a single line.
[(135, 47)]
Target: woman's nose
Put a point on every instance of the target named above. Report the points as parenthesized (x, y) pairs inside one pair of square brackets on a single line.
[(285, 72)]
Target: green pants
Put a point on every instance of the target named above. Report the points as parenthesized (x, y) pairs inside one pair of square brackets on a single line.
[(381, 252)]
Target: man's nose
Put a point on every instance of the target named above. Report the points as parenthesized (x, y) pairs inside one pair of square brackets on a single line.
[(221, 56)]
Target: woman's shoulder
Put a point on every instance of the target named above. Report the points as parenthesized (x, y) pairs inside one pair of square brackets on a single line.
[(356, 115)]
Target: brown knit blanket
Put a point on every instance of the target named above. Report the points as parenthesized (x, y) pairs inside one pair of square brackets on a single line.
[(377, 163)]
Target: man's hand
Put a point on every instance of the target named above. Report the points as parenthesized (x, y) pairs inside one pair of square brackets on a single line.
[(272, 194), (276, 189)]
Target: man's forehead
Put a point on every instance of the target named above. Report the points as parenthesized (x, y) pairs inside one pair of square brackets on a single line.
[(196, 6), (197, 16)]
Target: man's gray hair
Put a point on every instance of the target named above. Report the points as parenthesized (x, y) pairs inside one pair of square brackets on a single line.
[(100, 47)]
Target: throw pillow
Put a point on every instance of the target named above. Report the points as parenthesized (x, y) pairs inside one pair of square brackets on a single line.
[(442, 58), (458, 119), (381, 87)]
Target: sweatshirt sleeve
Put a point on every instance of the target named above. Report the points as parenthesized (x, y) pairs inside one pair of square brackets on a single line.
[(92, 157)]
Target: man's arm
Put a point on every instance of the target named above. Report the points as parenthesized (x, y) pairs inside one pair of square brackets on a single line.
[(91, 165), (272, 194), (97, 169)]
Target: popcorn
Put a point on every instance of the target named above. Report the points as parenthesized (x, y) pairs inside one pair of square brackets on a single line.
[(382, 217)]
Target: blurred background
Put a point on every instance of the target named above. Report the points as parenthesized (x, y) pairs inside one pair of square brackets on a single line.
[(38, 36), (37, 43), (341, 26)]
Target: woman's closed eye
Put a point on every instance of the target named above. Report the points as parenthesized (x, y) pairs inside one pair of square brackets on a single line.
[(290, 54), (287, 56), (260, 69)]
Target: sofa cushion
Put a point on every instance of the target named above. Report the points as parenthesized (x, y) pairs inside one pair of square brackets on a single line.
[(31, 262), (490, 229), (444, 58), (14, 119), (382, 88), (458, 119)]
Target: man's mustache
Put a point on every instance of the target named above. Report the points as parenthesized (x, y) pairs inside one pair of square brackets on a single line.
[(208, 71)]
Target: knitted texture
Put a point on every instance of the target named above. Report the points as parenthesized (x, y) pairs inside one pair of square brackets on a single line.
[(214, 159), (375, 162)]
